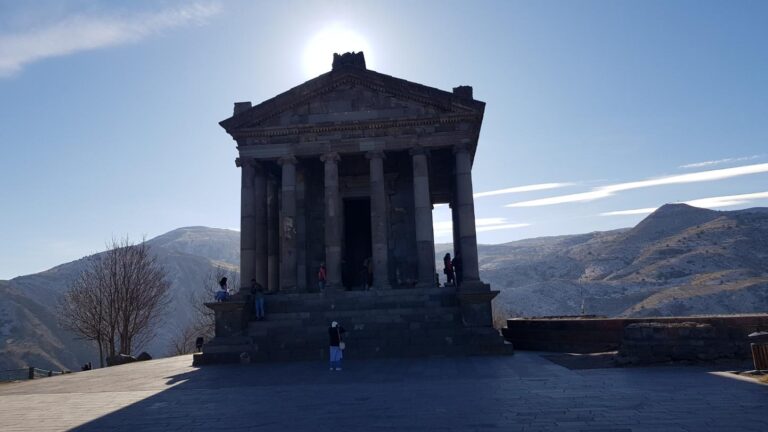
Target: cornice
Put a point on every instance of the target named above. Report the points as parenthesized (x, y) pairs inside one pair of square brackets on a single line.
[(366, 125)]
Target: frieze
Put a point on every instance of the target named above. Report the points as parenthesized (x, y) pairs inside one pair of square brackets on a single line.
[(315, 129)]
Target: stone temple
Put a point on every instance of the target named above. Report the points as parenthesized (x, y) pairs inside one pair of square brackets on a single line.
[(344, 170)]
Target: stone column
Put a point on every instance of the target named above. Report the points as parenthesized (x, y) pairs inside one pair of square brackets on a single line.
[(273, 245), (465, 206), (332, 220), (455, 224), (288, 225), (259, 235), (425, 242), (301, 230), (247, 222), (379, 247)]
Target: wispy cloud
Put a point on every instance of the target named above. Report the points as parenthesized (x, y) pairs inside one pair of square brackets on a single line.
[(445, 228), (720, 161), (727, 201), (87, 32), (712, 202), (520, 189), (606, 191), (639, 211)]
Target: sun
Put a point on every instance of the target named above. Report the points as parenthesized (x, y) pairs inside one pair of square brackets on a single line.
[(318, 53)]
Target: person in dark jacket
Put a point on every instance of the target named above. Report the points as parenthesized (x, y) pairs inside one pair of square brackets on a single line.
[(336, 344), (448, 270), (257, 291), (223, 293), (458, 268)]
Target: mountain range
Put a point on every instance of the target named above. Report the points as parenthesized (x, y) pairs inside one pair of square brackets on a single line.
[(31, 335), (680, 260)]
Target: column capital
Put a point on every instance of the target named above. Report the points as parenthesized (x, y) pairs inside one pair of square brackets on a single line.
[(330, 157), (418, 150), (249, 162), (459, 148), (286, 160), (375, 154)]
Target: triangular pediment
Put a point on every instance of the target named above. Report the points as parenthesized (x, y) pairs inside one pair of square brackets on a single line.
[(352, 95)]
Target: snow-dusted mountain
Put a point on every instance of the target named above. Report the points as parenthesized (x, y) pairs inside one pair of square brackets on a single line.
[(680, 260)]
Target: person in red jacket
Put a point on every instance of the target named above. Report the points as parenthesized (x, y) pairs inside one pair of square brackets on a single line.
[(321, 277)]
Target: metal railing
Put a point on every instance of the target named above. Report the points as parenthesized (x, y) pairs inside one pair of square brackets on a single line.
[(27, 373)]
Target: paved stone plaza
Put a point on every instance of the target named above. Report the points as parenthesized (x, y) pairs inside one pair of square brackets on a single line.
[(521, 392)]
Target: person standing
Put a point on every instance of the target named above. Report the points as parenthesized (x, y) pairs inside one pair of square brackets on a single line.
[(257, 291), (222, 294), (457, 267), (336, 345), (321, 276), (368, 273), (448, 270)]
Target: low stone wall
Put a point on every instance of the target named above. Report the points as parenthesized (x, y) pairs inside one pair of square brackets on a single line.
[(588, 335), (662, 342)]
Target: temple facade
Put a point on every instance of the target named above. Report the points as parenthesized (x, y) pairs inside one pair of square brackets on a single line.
[(344, 171)]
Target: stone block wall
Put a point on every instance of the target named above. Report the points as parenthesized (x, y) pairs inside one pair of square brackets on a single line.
[(589, 335), (655, 342)]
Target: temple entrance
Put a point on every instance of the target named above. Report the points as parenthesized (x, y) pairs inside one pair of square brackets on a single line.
[(357, 241)]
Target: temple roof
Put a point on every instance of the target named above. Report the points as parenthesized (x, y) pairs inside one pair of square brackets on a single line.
[(349, 70)]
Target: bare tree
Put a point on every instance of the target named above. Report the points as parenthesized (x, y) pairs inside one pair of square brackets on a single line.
[(82, 309), (203, 322), (117, 301)]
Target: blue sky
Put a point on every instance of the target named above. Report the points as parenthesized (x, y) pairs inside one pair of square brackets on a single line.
[(597, 111)]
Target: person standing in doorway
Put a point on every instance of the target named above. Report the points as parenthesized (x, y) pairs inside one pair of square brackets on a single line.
[(321, 277), (368, 272), (257, 291), (448, 270), (336, 345)]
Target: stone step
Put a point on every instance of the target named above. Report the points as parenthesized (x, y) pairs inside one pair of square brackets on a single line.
[(362, 300), (295, 321), (466, 343)]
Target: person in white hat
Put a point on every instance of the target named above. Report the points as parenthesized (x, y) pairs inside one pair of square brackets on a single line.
[(336, 345)]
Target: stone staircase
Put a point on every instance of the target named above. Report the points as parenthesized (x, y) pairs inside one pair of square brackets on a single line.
[(391, 323)]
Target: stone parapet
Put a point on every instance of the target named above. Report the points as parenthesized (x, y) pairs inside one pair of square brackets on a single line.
[(589, 335)]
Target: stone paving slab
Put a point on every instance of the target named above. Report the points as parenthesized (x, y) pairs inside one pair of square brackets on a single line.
[(524, 392)]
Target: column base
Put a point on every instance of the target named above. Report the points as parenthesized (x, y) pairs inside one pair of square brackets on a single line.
[(475, 299), (231, 316)]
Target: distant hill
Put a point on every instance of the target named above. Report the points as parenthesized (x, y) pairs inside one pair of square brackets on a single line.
[(680, 260), (30, 334)]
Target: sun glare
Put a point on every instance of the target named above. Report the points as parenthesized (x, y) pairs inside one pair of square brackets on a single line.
[(318, 53)]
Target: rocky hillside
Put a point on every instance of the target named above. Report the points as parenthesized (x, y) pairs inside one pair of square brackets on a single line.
[(680, 260), (30, 334)]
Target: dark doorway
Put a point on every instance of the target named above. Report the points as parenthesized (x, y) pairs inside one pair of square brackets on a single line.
[(357, 241)]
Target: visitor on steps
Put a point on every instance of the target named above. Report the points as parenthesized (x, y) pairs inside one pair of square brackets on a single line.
[(336, 345), (321, 277), (222, 294), (257, 291), (448, 270)]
